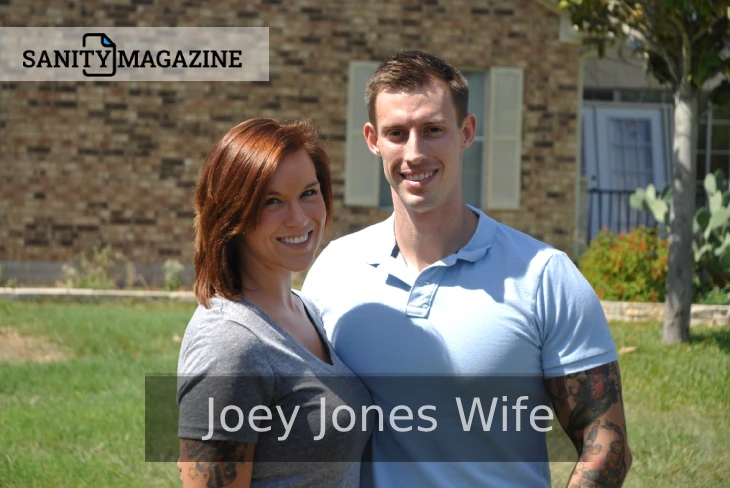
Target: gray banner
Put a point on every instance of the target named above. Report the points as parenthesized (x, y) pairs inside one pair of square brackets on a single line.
[(134, 53), (448, 418)]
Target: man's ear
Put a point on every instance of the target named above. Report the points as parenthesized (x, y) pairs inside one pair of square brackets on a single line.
[(371, 138), (469, 130)]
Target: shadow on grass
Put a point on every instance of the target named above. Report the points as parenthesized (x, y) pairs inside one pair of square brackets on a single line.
[(721, 337)]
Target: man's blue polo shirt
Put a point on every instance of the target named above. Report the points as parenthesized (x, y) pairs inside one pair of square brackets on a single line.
[(505, 305)]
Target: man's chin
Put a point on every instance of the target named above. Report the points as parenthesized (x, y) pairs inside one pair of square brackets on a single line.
[(417, 203)]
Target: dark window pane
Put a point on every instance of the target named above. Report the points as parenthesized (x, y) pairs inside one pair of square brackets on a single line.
[(645, 96), (471, 175), (630, 96), (385, 200), (701, 165), (719, 161), (702, 107), (701, 136), (476, 99), (598, 94), (721, 112), (721, 137)]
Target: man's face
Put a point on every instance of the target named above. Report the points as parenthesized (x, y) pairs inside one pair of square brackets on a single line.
[(421, 143)]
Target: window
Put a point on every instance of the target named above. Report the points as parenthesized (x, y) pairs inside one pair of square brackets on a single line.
[(713, 139), (591, 94), (490, 173), (362, 168)]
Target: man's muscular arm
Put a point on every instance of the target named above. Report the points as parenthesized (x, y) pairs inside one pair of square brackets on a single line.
[(215, 464), (589, 407)]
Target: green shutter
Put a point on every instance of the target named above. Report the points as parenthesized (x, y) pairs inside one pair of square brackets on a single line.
[(504, 153)]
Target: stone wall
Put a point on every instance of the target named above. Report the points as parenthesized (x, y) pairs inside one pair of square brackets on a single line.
[(713, 315), (710, 315), (116, 163)]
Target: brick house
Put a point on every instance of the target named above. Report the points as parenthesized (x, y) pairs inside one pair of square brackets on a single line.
[(116, 163)]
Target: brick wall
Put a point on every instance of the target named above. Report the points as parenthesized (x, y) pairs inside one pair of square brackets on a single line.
[(82, 163)]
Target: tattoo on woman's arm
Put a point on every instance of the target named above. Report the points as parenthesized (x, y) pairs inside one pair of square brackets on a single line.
[(216, 461)]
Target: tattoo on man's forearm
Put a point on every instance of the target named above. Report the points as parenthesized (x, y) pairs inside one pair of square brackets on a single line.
[(216, 461), (592, 393), (596, 390), (613, 467), (581, 398), (591, 446)]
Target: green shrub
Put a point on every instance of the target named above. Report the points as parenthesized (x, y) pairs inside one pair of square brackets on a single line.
[(714, 296), (172, 270), (627, 267), (11, 283), (93, 269)]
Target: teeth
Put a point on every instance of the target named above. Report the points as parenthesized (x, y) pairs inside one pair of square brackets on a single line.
[(294, 240), (419, 177)]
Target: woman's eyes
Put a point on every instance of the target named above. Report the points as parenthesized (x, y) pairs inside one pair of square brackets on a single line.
[(308, 193)]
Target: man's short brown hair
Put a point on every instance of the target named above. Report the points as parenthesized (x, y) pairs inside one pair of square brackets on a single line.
[(409, 70)]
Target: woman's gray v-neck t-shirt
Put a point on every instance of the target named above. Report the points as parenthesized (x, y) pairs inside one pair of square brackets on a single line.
[(236, 355)]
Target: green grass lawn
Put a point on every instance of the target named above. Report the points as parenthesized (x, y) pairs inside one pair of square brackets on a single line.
[(677, 400), (80, 421)]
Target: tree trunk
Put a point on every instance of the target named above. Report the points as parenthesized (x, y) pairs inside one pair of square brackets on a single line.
[(681, 260)]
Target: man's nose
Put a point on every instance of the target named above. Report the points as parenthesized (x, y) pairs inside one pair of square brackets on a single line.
[(415, 150)]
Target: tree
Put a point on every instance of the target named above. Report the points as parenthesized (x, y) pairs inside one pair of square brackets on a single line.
[(686, 44)]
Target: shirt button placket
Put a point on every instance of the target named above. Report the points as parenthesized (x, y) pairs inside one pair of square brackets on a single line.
[(419, 302)]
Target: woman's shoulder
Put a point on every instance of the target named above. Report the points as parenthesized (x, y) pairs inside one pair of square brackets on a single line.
[(222, 337), (223, 313)]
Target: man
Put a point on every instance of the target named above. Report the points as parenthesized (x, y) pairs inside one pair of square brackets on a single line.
[(442, 289)]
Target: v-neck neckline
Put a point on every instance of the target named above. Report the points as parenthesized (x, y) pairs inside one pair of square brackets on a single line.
[(311, 316)]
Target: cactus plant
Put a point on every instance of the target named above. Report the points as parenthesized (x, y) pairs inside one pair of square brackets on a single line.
[(648, 201), (711, 227), (711, 245)]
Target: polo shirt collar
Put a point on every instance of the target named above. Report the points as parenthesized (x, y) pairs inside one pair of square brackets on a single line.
[(384, 243)]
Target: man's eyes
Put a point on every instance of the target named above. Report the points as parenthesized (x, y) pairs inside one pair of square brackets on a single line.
[(395, 134)]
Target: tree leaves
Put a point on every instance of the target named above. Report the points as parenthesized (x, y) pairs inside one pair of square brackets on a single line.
[(660, 26)]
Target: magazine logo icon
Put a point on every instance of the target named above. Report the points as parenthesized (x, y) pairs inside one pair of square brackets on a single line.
[(105, 49)]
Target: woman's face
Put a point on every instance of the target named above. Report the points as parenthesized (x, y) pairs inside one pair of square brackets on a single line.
[(293, 218)]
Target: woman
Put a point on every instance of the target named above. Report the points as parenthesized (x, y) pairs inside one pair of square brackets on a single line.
[(258, 382)]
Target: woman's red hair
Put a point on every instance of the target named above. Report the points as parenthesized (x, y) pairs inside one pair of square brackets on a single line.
[(229, 196)]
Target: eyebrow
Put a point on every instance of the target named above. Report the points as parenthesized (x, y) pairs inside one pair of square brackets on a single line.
[(433, 121), (310, 185)]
